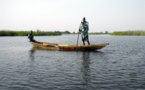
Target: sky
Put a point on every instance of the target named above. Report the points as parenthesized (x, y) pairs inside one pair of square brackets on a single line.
[(62, 15)]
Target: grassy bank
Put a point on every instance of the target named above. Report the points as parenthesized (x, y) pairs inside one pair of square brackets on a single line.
[(96, 33), (25, 33), (129, 33)]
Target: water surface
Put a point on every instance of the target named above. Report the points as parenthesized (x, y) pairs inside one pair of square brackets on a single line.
[(119, 66)]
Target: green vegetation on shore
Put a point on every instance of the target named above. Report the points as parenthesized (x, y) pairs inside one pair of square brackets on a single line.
[(25, 33), (96, 33), (52, 33), (41, 33), (129, 33)]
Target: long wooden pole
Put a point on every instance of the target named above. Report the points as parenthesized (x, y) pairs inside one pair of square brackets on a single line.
[(78, 39)]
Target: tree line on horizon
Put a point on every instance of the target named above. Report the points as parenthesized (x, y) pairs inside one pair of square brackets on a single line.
[(50, 33), (129, 33), (26, 33), (39, 33)]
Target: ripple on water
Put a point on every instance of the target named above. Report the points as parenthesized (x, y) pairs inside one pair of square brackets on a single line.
[(119, 66)]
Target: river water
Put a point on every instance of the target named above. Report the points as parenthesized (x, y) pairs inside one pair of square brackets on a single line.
[(118, 66)]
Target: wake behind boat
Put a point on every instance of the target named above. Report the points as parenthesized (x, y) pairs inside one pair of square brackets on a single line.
[(67, 47)]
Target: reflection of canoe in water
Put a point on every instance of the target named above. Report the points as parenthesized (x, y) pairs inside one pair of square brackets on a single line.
[(67, 47)]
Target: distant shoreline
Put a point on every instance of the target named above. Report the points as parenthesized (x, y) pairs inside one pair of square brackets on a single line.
[(41, 33), (55, 33), (26, 33), (129, 33)]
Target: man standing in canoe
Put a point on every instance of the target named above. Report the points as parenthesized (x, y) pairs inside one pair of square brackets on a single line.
[(84, 28)]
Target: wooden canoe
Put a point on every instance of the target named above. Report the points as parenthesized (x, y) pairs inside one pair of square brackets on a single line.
[(67, 47)]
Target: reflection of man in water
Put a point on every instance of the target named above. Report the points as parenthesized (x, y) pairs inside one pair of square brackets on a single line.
[(84, 28), (32, 54), (85, 69), (31, 37)]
